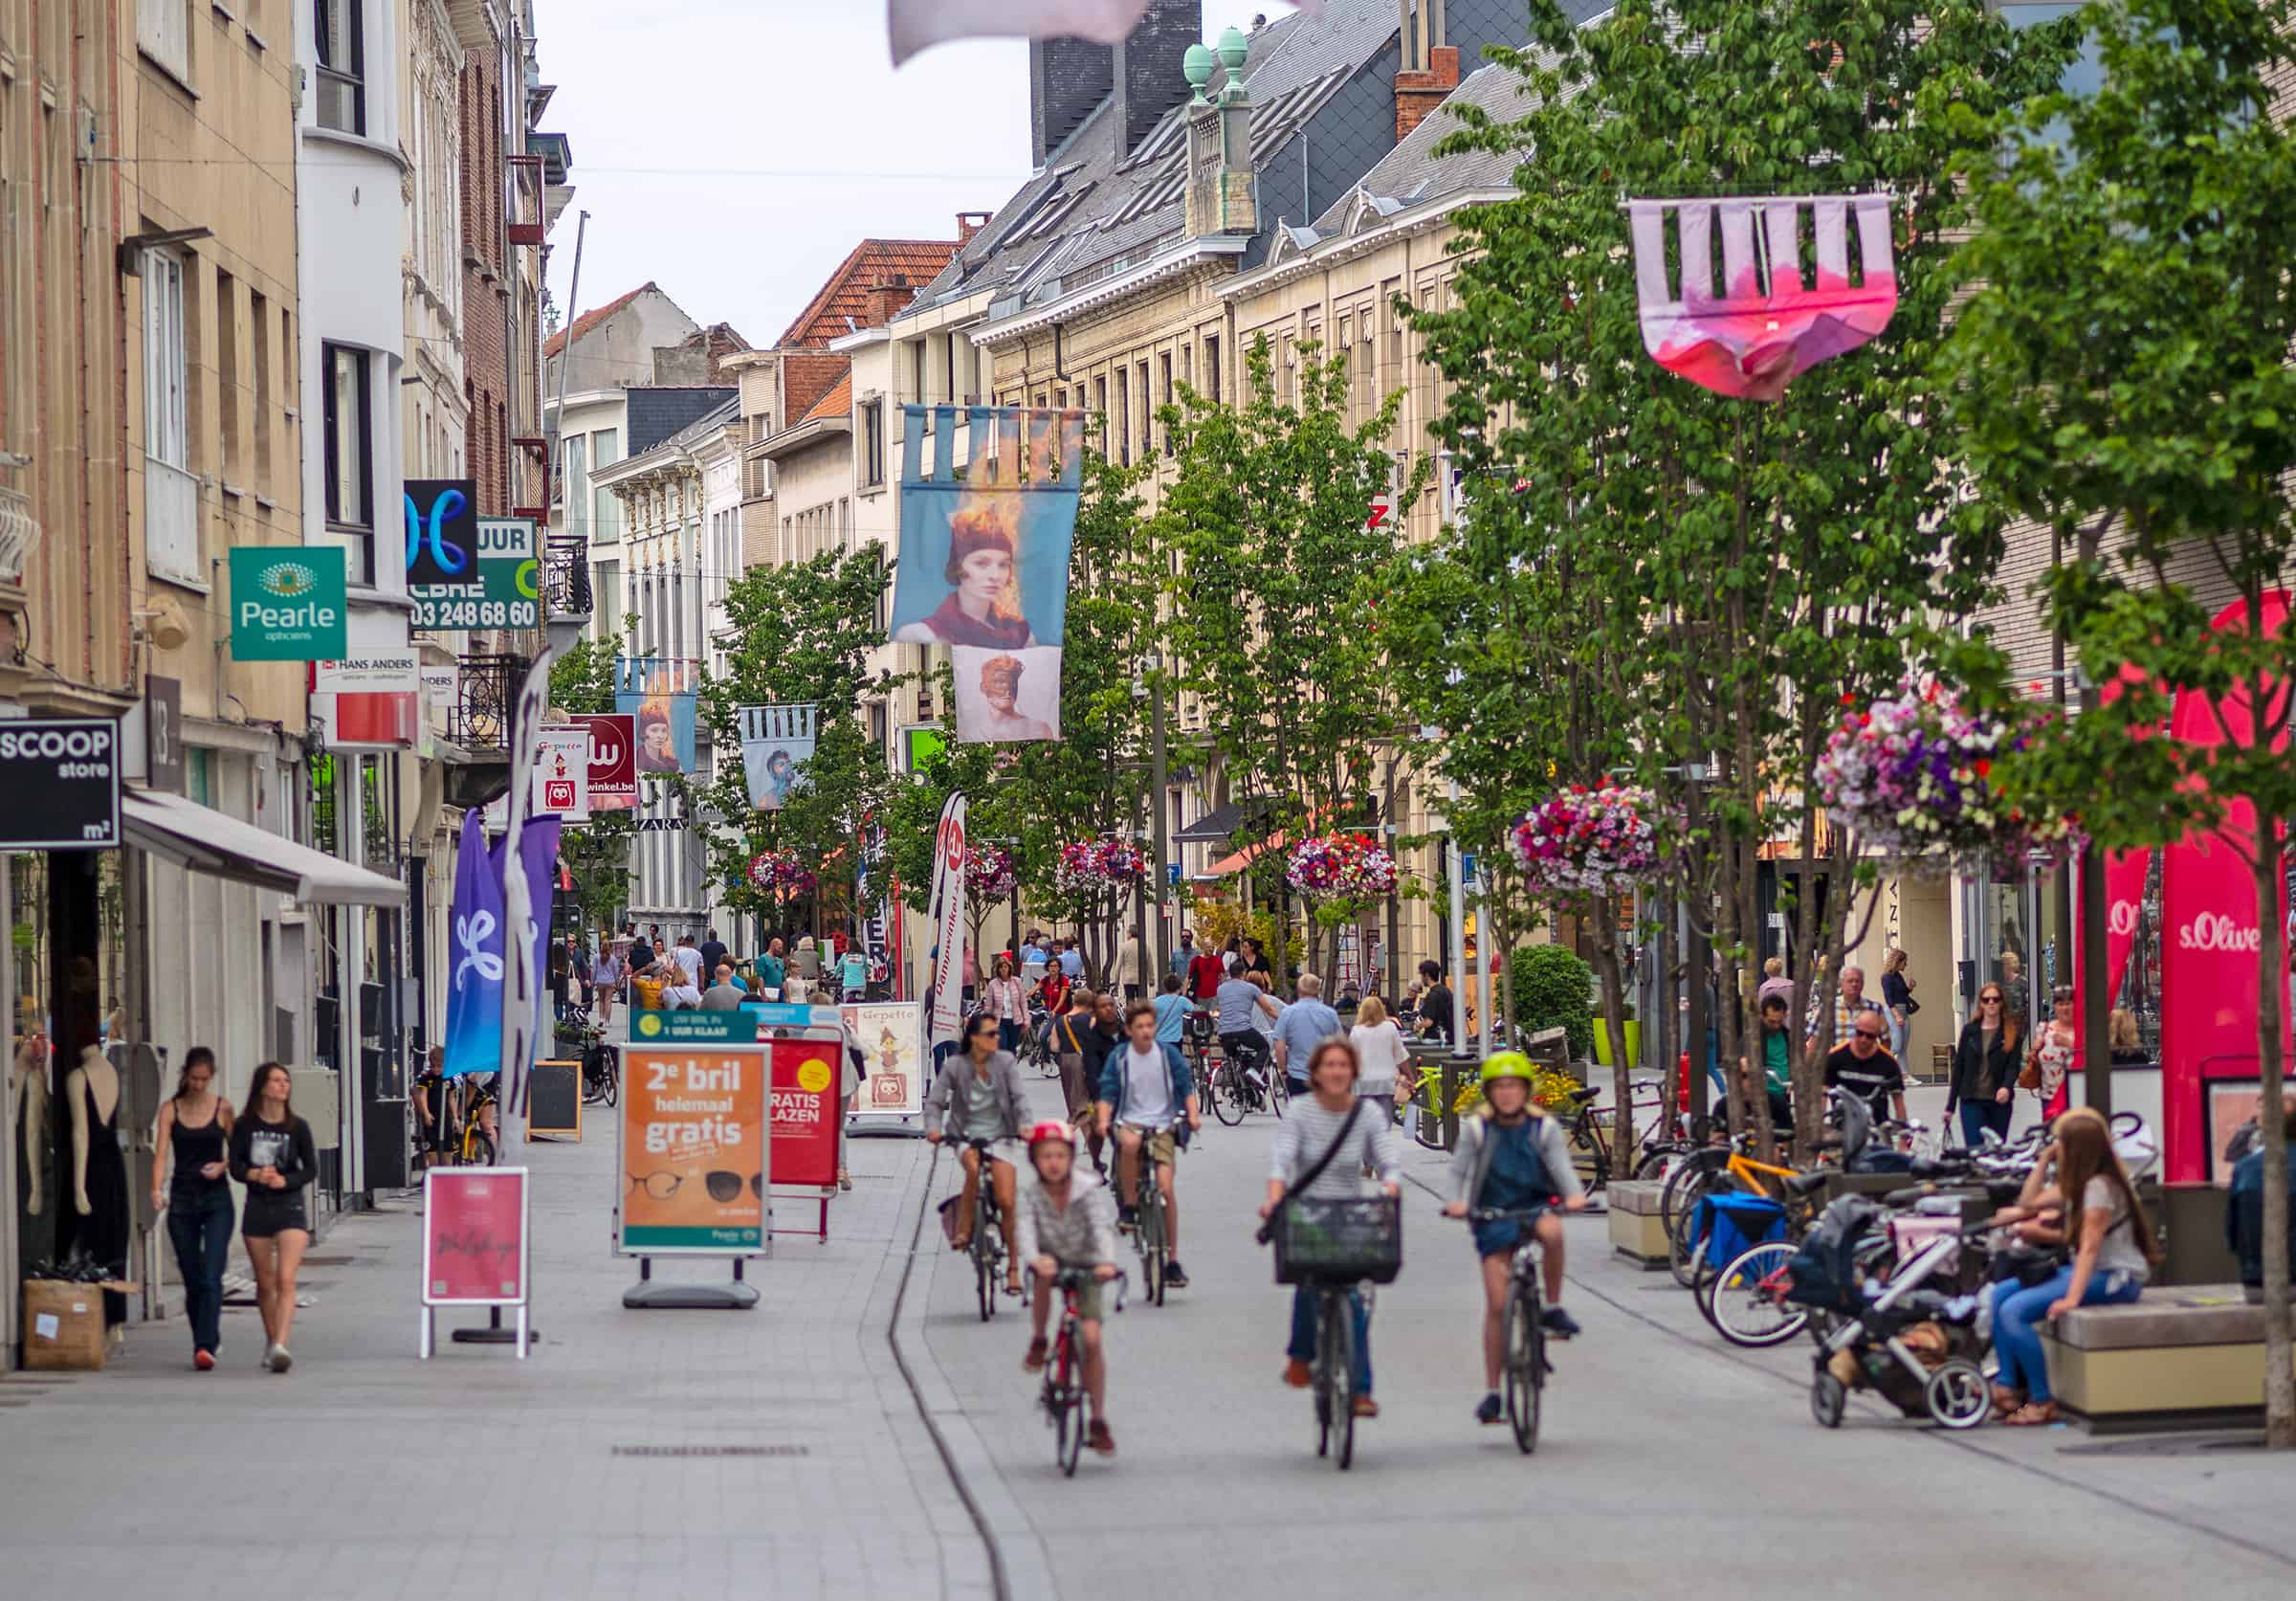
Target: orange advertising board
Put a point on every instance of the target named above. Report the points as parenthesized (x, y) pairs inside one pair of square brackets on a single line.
[(694, 1150)]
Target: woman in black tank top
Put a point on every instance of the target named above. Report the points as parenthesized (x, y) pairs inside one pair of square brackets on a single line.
[(195, 1126)]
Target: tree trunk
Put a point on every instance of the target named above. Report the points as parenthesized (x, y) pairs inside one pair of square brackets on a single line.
[(2272, 978), (1614, 1007)]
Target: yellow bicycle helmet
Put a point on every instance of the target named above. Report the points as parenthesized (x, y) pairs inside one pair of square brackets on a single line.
[(1509, 1064)]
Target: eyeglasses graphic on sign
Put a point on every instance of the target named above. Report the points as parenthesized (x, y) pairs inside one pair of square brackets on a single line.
[(442, 528), (721, 1186)]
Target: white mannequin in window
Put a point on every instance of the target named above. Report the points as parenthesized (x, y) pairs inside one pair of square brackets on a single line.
[(28, 1089), (95, 1076)]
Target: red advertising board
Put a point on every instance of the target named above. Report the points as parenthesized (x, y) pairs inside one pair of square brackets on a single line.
[(614, 759), (807, 1118), (474, 1236)]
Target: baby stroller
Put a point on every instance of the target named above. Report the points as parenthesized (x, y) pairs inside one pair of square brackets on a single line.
[(1888, 1313)]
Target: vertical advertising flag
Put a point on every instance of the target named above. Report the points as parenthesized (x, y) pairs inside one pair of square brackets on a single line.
[(776, 744), (695, 1150), (474, 957), (523, 891), (661, 696), (948, 919), (984, 567)]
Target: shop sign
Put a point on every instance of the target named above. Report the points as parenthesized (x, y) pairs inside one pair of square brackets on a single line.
[(377, 673), (499, 584), (613, 760), (649, 1024), (807, 1118), (163, 765), (695, 1151), (476, 1233), (562, 773), (59, 784), (288, 604)]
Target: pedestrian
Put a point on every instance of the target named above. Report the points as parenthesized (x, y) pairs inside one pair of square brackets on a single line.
[(1302, 1026), (1256, 967), (1775, 981), (772, 969), (2125, 1040), (712, 952), (853, 975), (1008, 1004), (2244, 1212), (687, 957), (1777, 1074), (1073, 1040), (1865, 1069), (724, 995), (1072, 959), (1897, 1001), (680, 992), (561, 968), (274, 1155), (1385, 1059), (606, 983), (1985, 1062), (1172, 1013), (642, 954), (195, 1128), (584, 986), (1322, 1146), (1132, 967), (1438, 1013), (972, 973), (1184, 952), (2049, 1067), (1206, 972), (1849, 1000)]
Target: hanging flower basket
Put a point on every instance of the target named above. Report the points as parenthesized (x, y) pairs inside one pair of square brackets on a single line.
[(1349, 866), (1582, 841), (1911, 776), (989, 874), (781, 873), (1093, 866)]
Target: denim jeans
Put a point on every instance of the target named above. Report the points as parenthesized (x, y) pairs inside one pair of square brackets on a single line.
[(1009, 1034), (1977, 1115), (200, 1228), (1303, 1332), (2016, 1308)]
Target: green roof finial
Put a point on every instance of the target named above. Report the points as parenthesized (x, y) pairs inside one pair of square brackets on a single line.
[(1233, 50), (1198, 65)]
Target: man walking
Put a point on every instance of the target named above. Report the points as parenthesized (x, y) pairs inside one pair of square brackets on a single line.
[(1848, 1002), (1299, 1027), (689, 959), (712, 952), (724, 995)]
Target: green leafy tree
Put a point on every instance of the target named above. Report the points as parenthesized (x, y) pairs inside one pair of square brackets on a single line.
[(2122, 376), (596, 853)]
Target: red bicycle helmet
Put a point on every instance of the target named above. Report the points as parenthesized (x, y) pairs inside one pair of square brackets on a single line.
[(1052, 1131)]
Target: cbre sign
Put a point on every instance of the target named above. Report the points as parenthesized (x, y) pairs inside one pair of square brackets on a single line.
[(59, 784)]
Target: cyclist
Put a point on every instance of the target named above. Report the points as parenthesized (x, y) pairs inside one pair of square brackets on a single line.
[(1239, 998), (1145, 1095), (1066, 1220), (978, 1097), (1512, 1158), (1326, 1134)]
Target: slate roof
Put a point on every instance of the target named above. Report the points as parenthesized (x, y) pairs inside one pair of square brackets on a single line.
[(1412, 174), (590, 319), (657, 415), (846, 294)]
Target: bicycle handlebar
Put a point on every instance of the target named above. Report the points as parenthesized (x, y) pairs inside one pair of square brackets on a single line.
[(1520, 1214)]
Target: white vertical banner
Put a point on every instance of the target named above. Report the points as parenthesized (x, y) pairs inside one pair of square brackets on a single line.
[(522, 983), (948, 918)]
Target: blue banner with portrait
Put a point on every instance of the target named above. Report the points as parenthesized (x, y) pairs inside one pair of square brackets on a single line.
[(984, 558), (662, 696)]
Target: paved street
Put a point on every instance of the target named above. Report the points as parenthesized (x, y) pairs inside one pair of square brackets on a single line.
[(779, 1453)]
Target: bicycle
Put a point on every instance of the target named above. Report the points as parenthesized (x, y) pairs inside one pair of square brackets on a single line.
[(1063, 1393), (601, 1074), (1247, 1082), (987, 1248), (1685, 1253), (1151, 1232), (1036, 1044), (476, 1148), (1335, 1375), (1590, 1133), (1523, 1339)]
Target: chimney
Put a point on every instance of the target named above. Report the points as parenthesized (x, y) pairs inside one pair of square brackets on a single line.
[(1066, 77), (1219, 189), (888, 298), (1426, 70), (1148, 81), (968, 224)]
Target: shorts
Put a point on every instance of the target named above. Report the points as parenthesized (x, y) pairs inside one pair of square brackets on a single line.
[(1162, 1145), (1090, 1299), (1497, 1239), (270, 1211)]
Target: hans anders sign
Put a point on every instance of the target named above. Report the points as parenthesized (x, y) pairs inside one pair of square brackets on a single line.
[(287, 604)]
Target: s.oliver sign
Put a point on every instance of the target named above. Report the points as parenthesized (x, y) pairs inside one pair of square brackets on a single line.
[(59, 784)]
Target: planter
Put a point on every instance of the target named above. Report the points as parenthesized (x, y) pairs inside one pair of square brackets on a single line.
[(1634, 1041)]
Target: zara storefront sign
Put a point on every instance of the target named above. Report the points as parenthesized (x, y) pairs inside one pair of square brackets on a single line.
[(60, 779), (288, 604)]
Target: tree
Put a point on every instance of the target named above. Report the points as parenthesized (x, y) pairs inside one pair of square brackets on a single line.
[(2122, 373), (597, 852), (1268, 519), (1725, 571)]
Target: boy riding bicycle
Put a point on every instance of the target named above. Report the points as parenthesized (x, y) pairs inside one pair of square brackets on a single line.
[(1066, 1220), (1145, 1093), (1510, 1158)]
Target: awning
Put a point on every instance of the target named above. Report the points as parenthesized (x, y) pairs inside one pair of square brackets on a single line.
[(1212, 828), (1250, 854), (205, 840)]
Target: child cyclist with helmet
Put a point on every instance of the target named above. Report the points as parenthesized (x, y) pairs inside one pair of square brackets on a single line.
[(1068, 1219), (1512, 1158)]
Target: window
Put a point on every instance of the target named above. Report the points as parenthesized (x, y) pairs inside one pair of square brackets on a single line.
[(164, 32), (227, 375), (1212, 365), (1100, 411), (917, 370), (606, 509), (170, 493), (349, 446), (259, 329), (1147, 413), (574, 479), (1123, 450), (342, 65), (872, 442)]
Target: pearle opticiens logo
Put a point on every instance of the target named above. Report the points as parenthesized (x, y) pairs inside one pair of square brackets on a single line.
[(287, 580)]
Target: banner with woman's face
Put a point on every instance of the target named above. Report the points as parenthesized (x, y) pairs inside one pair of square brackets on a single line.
[(662, 698), (984, 558)]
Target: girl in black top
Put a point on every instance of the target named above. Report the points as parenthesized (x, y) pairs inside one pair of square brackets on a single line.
[(194, 1125), (273, 1155)]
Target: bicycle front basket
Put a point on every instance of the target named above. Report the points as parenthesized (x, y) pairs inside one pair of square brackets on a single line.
[(1348, 1238)]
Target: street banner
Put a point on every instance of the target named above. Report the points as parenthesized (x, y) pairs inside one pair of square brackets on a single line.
[(475, 957), (948, 920), (288, 603), (776, 744), (984, 567), (465, 571), (661, 696), (562, 773), (807, 1120), (525, 894), (613, 760), (61, 777), (476, 1244), (695, 1151), (891, 1037)]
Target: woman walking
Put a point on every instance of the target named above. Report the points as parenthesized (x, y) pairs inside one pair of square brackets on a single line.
[(196, 1124), (1008, 1004), (273, 1154), (1381, 1049), (1897, 999), (2051, 1062), (1985, 1069)]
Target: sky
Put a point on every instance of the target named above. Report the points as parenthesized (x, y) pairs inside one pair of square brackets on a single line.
[(735, 151)]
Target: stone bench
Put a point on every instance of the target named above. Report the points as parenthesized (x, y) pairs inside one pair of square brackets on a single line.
[(2180, 1357), (1636, 1235)]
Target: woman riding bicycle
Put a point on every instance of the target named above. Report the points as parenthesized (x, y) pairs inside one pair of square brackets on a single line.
[(1512, 1158), (1068, 1219), (978, 1098)]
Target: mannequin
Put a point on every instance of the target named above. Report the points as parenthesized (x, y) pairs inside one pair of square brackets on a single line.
[(100, 1199), (28, 1088)]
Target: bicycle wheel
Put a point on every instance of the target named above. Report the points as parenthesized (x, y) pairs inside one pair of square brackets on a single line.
[(1228, 1096), (477, 1149), (1150, 1234), (984, 1263), (1654, 1164), (1526, 1359), (1698, 1172), (1337, 1340), (1279, 1090), (1685, 1253), (1066, 1397), (1744, 1301)]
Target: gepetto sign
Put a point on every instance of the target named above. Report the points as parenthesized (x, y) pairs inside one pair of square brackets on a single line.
[(288, 604), (59, 784)]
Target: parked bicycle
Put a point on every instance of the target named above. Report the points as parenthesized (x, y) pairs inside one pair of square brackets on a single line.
[(601, 1074)]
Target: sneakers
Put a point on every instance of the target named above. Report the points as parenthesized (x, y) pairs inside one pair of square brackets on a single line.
[(1296, 1374), (1176, 1276), (270, 1349), (1034, 1361), (1099, 1439), (1128, 1218), (204, 1361), (1559, 1323), (1488, 1410), (280, 1359), (1366, 1407)]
